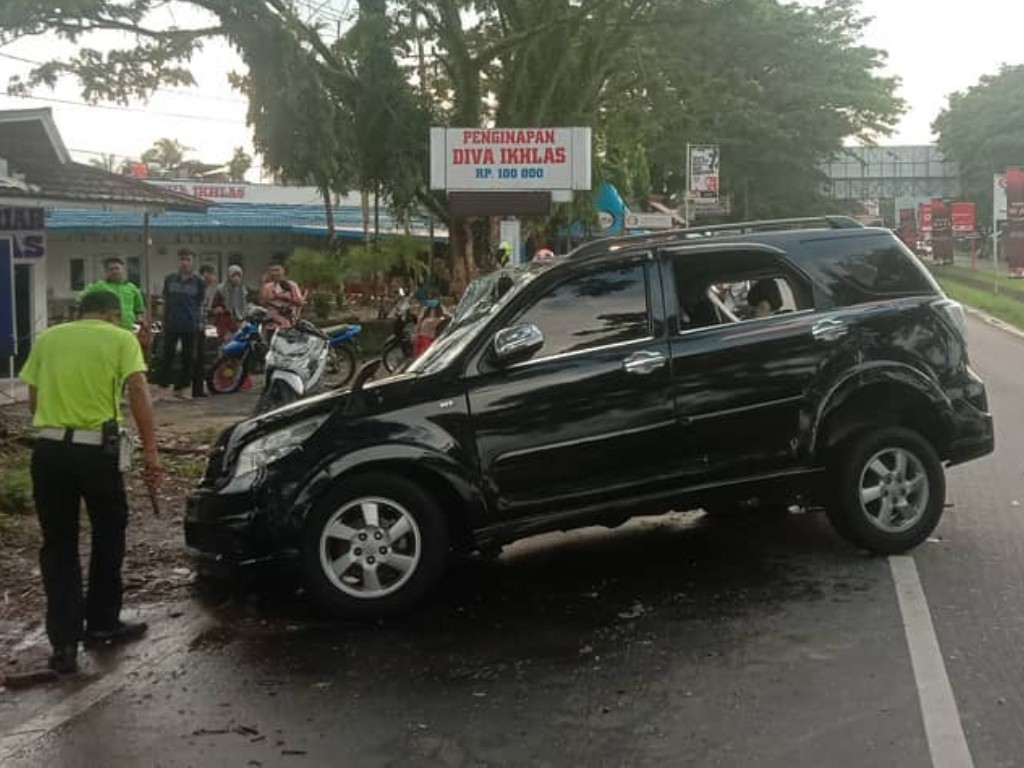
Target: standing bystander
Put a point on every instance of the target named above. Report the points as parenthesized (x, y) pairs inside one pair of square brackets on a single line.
[(183, 323), (133, 306), (75, 374)]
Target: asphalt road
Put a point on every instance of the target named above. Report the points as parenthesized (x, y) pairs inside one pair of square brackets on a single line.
[(671, 641)]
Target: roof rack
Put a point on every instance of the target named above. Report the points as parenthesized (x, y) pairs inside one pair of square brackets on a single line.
[(735, 228)]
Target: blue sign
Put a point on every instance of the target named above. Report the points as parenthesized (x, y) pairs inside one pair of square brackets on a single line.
[(8, 336)]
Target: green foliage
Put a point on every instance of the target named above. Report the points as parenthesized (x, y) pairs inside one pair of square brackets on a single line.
[(778, 85), (169, 154), (317, 270), (239, 165), (982, 130)]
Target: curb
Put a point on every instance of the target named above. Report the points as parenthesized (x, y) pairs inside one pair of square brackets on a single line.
[(995, 322)]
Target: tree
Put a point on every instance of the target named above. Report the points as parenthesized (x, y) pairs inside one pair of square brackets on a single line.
[(778, 85), (168, 154), (239, 165), (106, 162), (982, 130)]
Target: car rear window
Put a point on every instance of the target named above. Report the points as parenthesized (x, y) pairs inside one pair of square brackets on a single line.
[(853, 270)]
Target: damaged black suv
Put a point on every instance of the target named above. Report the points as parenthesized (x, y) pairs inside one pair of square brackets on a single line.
[(752, 366)]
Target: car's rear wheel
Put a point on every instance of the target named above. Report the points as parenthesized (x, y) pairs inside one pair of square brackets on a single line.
[(375, 546), (889, 490)]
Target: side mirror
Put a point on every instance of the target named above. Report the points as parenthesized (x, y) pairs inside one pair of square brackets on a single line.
[(517, 343)]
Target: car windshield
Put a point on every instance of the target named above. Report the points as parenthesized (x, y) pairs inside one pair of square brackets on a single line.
[(482, 298)]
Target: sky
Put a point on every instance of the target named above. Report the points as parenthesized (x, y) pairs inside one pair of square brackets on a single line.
[(935, 46)]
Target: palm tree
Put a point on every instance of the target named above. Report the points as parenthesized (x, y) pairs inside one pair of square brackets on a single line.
[(106, 162), (166, 153)]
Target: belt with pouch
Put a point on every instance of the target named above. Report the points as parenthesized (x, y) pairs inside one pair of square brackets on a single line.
[(72, 436)]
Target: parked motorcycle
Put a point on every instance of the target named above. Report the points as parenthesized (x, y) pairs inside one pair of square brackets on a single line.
[(242, 355), (398, 347), (304, 358), (343, 355)]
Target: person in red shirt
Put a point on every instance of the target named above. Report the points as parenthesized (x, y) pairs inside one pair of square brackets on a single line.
[(282, 298)]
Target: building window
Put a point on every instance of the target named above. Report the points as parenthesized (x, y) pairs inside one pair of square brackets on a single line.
[(77, 274)]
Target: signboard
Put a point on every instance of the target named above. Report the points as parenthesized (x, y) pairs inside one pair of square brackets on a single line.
[(8, 336), (963, 218), (1014, 242), (25, 228), (702, 171), (942, 232), (648, 221), (924, 216), (510, 159), (999, 197)]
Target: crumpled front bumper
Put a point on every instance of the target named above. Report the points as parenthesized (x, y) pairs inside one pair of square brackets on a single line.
[(233, 529)]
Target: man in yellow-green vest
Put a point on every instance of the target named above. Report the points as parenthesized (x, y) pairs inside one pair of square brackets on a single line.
[(76, 373)]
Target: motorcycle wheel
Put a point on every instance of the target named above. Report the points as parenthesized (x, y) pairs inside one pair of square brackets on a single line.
[(226, 375), (276, 395), (393, 357), (341, 366)]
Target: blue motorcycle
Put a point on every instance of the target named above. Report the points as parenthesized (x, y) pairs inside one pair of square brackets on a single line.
[(240, 356)]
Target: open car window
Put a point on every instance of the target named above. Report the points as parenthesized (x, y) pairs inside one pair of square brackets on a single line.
[(716, 289)]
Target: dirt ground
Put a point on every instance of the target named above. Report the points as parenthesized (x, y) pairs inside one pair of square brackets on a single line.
[(156, 566)]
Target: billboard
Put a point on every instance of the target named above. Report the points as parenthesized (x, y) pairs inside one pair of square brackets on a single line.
[(703, 164), (999, 197), (8, 336), (510, 159)]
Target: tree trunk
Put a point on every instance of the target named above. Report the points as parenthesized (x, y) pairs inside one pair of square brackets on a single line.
[(325, 192), (364, 196), (376, 212)]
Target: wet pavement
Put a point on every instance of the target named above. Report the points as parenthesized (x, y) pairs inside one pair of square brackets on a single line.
[(670, 641)]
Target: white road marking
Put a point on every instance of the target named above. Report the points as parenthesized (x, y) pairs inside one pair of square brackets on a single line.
[(946, 741), (160, 651)]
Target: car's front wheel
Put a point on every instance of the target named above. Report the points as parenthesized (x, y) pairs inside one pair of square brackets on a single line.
[(375, 546), (889, 490)]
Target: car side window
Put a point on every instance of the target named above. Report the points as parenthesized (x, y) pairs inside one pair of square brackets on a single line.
[(592, 310), (721, 288)]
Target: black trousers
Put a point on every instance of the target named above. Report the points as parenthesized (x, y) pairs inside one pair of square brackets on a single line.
[(62, 476), (186, 372)]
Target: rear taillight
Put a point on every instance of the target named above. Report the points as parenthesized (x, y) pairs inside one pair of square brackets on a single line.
[(953, 312)]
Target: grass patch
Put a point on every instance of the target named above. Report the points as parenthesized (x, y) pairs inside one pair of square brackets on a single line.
[(981, 274), (1006, 309), (15, 484)]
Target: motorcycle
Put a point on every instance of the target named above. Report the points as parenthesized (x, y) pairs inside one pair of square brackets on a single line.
[(242, 355), (303, 358), (398, 347)]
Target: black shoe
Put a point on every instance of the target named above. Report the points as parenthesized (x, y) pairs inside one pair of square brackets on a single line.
[(124, 632), (64, 660)]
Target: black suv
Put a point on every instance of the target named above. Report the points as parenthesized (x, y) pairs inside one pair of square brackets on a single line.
[(754, 366)]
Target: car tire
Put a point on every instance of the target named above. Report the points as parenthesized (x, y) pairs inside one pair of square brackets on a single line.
[(889, 490), (375, 546)]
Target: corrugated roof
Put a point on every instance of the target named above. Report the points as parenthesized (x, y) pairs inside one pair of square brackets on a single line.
[(249, 217)]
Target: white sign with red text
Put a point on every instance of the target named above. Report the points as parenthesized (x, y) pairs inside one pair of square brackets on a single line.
[(510, 159)]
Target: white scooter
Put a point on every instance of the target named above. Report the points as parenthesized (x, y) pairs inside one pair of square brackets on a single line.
[(295, 364)]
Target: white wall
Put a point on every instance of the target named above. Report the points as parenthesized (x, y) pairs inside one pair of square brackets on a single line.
[(217, 249)]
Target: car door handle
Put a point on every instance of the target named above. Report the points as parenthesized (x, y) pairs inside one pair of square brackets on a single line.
[(643, 363), (829, 330)]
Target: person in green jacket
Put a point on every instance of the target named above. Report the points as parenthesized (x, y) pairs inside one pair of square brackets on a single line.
[(133, 306)]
